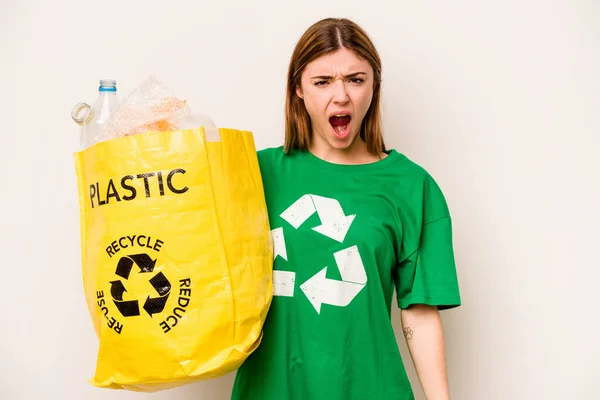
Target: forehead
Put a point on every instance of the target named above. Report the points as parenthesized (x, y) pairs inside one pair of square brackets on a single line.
[(342, 61)]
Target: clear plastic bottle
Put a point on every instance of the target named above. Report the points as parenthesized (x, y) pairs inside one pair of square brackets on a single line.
[(82, 114), (105, 104), (106, 101), (91, 118)]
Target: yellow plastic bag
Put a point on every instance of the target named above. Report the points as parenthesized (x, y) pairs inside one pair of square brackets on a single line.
[(177, 256)]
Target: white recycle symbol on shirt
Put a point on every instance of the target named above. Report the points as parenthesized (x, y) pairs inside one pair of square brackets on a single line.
[(335, 225)]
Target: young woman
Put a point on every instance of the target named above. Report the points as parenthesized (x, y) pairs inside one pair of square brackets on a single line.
[(351, 221)]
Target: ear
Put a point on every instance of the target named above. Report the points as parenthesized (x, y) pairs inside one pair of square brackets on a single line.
[(299, 92)]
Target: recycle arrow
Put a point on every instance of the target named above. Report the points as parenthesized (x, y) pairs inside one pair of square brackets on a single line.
[(279, 248), (143, 261), (128, 308), (321, 290), (334, 223), (155, 305), (117, 289)]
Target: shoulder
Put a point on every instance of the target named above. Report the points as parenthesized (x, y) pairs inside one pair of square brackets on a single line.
[(423, 188), (270, 155), (276, 158), (409, 170)]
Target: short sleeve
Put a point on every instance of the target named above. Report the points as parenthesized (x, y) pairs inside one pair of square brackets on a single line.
[(427, 275)]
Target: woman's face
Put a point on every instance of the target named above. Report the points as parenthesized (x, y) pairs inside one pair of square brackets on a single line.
[(337, 89)]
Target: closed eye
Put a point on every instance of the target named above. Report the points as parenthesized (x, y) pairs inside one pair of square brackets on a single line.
[(320, 83)]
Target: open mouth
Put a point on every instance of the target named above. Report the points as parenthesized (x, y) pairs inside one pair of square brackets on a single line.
[(340, 124)]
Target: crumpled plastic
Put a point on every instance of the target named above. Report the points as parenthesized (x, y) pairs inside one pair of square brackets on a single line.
[(151, 107)]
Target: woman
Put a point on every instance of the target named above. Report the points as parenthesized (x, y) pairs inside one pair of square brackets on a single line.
[(351, 221)]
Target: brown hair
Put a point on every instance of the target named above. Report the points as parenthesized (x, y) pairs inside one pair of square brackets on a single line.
[(323, 37)]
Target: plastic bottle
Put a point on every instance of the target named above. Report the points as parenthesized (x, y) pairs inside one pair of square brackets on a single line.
[(105, 104), (91, 118), (82, 114), (106, 101)]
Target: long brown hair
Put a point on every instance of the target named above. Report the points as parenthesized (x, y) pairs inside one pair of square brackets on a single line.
[(323, 37)]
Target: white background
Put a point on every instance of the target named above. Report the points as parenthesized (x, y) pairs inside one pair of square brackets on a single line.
[(497, 99)]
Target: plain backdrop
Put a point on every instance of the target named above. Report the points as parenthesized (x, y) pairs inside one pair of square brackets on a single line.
[(498, 100)]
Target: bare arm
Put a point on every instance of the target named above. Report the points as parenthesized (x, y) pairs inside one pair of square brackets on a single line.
[(424, 335)]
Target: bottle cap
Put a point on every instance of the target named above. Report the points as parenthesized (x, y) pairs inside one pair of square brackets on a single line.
[(108, 85)]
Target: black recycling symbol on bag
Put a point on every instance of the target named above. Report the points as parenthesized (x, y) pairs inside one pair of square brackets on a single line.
[(162, 286)]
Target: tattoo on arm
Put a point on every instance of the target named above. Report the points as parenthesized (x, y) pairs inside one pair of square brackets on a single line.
[(408, 333)]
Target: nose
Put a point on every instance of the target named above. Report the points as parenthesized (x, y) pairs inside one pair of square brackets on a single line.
[(340, 94)]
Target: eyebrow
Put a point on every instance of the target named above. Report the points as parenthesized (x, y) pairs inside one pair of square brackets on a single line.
[(327, 77)]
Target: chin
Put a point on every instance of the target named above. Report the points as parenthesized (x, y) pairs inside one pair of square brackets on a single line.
[(336, 142), (343, 143), (340, 145)]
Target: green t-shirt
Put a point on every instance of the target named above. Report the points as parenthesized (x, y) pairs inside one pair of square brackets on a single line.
[(345, 236)]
